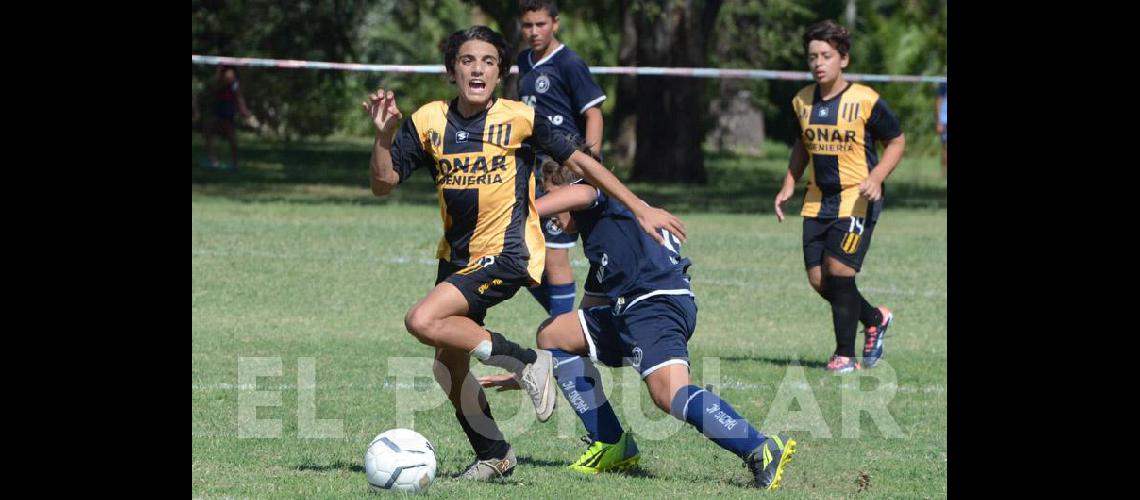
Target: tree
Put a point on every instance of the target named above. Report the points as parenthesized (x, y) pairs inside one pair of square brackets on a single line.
[(671, 111)]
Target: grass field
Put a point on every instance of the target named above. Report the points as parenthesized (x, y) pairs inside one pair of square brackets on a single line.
[(293, 260)]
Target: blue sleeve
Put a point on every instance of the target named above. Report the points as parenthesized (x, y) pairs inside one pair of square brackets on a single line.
[(521, 62), (407, 150), (883, 124), (556, 144), (942, 89), (584, 91)]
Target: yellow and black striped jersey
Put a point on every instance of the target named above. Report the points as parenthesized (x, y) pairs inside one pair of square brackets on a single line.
[(839, 135), (483, 176)]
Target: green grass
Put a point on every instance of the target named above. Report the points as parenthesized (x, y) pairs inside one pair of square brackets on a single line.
[(292, 258)]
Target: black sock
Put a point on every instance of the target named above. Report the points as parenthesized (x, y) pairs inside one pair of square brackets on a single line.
[(500, 346), (845, 309), (869, 315), (489, 443)]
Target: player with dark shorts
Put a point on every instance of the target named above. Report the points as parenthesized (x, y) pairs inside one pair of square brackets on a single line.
[(228, 103), (646, 321), (557, 84), (839, 124), (472, 146)]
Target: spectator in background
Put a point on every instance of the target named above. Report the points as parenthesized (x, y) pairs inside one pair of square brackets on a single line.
[(228, 102), (940, 108)]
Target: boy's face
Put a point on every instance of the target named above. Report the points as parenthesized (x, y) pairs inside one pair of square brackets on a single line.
[(825, 62), (539, 29), (476, 72)]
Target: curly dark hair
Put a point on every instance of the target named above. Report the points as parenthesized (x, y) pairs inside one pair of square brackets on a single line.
[(450, 46), (831, 32)]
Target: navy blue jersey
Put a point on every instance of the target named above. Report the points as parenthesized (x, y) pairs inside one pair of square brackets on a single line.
[(559, 88), (625, 261)]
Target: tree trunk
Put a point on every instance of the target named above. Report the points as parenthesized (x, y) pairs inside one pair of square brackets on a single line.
[(624, 116), (672, 33)]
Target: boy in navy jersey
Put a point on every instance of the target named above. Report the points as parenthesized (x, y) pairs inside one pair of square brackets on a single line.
[(641, 310), (557, 84)]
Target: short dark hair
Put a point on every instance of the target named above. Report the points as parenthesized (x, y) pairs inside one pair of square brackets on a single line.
[(451, 44), (831, 32), (551, 6)]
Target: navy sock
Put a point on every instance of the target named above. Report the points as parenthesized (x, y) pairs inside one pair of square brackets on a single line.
[(716, 419), (541, 293), (561, 298), (581, 383)]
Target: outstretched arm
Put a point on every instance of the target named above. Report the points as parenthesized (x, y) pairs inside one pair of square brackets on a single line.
[(381, 107)]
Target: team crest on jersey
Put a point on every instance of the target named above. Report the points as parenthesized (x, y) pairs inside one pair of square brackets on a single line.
[(434, 137), (461, 136), (823, 112), (552, 227), (542, 84)]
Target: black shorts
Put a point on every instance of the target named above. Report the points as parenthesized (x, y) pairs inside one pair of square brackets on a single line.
[(225, 111), (484, 283), (845, 238)]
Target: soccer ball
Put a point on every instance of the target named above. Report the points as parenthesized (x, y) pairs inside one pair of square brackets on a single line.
[(400, 460)]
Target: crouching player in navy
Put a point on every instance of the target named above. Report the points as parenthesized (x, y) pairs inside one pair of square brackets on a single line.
[(638, 308)]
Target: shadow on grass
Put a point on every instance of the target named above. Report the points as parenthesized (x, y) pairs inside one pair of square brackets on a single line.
[(777, 361), (335, 466)]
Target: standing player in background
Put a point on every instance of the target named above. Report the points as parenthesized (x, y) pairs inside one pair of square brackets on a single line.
[(839, 124), (557, 84)]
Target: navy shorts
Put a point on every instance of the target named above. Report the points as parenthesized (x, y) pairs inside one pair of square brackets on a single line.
[(650, 333), (226, 110), (845, 238)]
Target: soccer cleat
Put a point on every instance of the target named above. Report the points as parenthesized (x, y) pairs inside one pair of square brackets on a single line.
[(842, 364), (768, 460), (602, 457), (537, 379), (485, 470), (873, 349)]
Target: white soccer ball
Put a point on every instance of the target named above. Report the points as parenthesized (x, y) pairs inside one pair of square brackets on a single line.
[(400, 460)]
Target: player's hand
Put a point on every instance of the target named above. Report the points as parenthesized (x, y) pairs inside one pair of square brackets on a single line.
[(652, 219), (381, 107), (504, 382), (781, 198), (939, 127), (871, 189)]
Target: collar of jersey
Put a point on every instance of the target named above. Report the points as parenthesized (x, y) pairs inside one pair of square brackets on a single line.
[(453, 111), (530, 56), (819, 95)]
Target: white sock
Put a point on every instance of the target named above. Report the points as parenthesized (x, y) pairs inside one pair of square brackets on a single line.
[(482, 351)]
